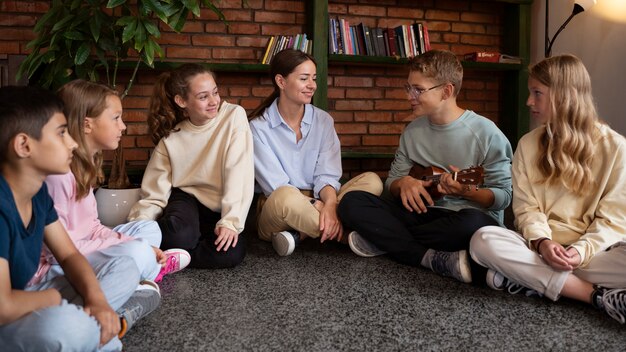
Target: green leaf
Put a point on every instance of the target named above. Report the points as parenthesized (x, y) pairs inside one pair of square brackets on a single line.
[(217, 11), (158, 9), (62, 22), (152, 28), (193, 6), (129, 31), (115, 3), (43, 21), (148, 53), (82, 53), (140, 37), (94, 27), (74, 35), (125, 21), (75, 4), (177, 22)]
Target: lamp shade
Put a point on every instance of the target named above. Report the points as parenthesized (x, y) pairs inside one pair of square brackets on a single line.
[(585, 4)]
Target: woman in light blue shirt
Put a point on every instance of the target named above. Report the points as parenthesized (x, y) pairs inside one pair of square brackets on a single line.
[(297, 159)]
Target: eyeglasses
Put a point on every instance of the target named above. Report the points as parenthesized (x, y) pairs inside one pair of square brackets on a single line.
[(415, 92)]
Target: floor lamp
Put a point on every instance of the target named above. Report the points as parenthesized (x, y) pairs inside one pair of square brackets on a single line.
[(579, 6)]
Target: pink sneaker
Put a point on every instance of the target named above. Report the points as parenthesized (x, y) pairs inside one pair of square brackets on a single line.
[(177, 260)]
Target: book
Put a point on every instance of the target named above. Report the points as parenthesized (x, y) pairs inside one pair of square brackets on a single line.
[(380, 42), (482, 56), (508, 59), (268, 50), (393, 47), (426, 37)]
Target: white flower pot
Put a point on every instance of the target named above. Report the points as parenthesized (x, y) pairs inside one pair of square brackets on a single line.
[(114, 204)]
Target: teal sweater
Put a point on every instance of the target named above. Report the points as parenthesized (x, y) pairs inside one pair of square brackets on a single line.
[(470, 140)]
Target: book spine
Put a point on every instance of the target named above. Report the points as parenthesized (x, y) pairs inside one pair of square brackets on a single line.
[(267, 50)]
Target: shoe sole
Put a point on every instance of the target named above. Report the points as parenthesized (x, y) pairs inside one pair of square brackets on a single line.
[(356, 249), (466, 274), (283, 245)]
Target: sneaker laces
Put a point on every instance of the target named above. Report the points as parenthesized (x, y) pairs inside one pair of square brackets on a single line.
[(170, 266), (515, 288), (440, 263), (615, 304)]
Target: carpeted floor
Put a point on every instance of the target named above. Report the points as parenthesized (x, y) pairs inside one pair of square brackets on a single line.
[(324, 298)]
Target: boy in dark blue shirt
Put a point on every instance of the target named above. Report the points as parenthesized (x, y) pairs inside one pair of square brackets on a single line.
[(34, 143)]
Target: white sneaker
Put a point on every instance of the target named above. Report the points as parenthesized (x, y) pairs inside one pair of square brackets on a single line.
[(362, 247), (614, 301), (284, 242)]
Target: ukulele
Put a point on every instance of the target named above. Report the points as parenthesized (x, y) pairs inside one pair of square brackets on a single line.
[(470, 176)]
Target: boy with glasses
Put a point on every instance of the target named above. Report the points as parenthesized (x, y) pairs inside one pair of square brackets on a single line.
[(429, 221)]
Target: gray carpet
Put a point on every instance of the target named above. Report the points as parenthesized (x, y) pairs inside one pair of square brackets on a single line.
[(324, 298)]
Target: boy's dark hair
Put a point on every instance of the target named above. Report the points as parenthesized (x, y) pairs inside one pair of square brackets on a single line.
[(24, 110)]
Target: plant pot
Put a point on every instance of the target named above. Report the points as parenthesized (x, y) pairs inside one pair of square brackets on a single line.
[(114, 204)]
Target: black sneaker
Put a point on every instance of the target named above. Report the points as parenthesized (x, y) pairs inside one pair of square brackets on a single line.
[(143, 302), (499, 282), (452, 264), (614, 301)]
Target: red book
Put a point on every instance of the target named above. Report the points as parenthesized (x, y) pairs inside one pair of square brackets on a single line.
[(391, 35), (483, 56)]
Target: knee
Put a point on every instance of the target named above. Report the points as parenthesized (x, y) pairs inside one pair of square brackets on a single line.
[(236, 257), (142, 254), (480, 246), (127, 266), (351, 201), (282, 198), (477, 218), (66, 327), (374, 184)]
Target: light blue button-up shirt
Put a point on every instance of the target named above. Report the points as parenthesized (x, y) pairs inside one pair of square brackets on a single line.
[(310, 164)]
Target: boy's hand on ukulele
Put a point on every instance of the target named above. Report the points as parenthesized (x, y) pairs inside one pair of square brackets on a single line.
[(447, 184), (413, 193)]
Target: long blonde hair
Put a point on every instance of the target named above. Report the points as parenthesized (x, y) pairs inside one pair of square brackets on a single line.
[(84, 99), (567, 144)]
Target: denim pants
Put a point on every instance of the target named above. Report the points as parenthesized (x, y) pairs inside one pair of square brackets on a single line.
[(67, 327), (146, 234)]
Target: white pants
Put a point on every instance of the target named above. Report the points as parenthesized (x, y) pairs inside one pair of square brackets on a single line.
[(506, 251)]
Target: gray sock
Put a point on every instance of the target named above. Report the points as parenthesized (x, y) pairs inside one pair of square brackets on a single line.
[(427, 259)]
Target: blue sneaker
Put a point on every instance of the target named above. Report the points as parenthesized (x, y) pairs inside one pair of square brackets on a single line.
[(452, 264), (362, 247)]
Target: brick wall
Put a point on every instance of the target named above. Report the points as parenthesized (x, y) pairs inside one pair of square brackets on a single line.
[(368, 102)]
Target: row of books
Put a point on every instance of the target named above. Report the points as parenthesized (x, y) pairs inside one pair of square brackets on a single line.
[(281, 42), (406, 40)]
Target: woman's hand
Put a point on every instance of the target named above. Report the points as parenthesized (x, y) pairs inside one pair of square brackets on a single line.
[(555, 255), (330, 226), (226, 238)]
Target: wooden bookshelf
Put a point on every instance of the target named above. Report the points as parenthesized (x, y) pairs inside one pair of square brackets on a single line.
[(514, 123)]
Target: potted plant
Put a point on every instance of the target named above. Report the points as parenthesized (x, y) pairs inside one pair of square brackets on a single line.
[(89, 39)]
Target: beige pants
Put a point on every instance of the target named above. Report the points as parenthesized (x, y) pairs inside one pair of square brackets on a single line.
[(288, 208), (506, 251)]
